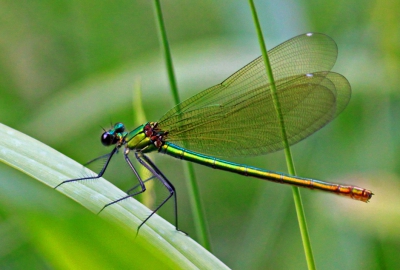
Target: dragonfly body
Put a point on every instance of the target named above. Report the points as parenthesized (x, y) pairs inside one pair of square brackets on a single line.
[(352, 192), (237, 118), (148, 137)]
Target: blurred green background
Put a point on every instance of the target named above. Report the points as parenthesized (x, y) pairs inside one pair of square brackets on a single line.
[(69, 67)]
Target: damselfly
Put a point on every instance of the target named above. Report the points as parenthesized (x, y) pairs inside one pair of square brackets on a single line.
[(237, 118)]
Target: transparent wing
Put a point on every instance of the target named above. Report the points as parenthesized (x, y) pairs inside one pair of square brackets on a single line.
[(237, 117)]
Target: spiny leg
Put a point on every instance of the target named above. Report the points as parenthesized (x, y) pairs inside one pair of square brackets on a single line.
[(136, 186), (128, 192), (141, 183), (100, 174), (95, 159), (146, 162)]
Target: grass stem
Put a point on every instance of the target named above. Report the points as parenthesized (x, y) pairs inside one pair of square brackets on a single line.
[(289, 160), (194, 194)]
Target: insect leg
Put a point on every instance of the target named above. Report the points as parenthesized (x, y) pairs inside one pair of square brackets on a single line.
[(141, 183), (146, 162), (100, 174)]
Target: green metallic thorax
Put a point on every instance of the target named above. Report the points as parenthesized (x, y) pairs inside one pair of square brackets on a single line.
[(137, 140)]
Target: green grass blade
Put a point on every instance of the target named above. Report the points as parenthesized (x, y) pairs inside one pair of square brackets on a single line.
[(148, 198), (51, 167), (166, 52), (194, 194), (289, 160)]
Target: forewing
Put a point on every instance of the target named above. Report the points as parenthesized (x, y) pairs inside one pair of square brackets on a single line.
[(237, 117), (303, 54)]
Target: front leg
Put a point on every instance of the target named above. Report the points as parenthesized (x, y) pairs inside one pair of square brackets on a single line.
[(141, 182)]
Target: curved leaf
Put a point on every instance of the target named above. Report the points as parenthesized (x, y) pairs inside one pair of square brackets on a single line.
[(51, 167)]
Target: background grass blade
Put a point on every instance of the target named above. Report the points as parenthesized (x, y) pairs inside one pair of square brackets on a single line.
[(193, 189), (288, 154)]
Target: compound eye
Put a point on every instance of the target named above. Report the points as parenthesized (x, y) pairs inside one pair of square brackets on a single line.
[(107, 139), (119, 128)]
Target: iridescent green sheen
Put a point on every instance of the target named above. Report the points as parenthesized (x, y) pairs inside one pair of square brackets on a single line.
[(353, 192)]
